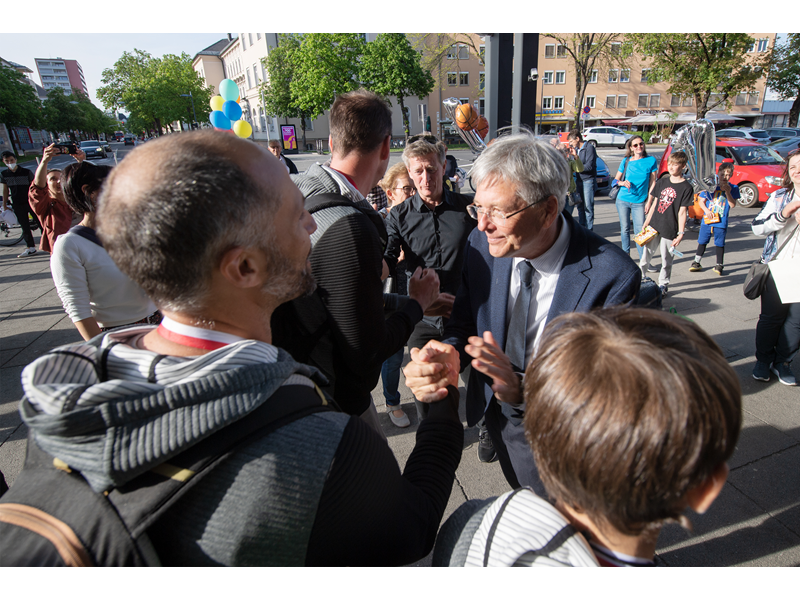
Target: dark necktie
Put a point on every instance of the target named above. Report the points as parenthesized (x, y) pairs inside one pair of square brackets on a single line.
[(518, 326)]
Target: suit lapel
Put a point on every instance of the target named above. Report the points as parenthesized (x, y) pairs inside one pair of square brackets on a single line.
[(501, 281), (572, 282)]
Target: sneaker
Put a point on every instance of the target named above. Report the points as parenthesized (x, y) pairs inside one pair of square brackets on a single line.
[(718, 269), (663, 289), (761, 371), (695, 266), (784, 373), (486, 451), (401, 421), (653, 269), (28, 252)]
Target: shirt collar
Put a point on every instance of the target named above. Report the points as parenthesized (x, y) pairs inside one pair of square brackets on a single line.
[(346, 186), (418, 203)]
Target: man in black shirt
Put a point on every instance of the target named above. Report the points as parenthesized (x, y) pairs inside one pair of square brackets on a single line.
[(17, 180), (431, 229)]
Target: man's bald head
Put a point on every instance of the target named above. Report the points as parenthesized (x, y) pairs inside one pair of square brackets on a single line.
[(171, 209)]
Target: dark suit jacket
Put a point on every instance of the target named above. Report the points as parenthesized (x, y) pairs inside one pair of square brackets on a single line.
[(595, 273)]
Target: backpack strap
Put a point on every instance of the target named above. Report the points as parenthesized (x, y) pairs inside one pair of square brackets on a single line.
[(83, 527)]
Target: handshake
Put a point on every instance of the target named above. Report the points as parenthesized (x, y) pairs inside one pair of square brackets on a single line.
[(436, 366)]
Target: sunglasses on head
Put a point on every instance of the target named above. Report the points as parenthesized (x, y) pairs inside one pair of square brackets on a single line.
[(423, 136)]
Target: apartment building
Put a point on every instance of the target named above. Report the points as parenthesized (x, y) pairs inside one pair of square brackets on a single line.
[(60, 73)]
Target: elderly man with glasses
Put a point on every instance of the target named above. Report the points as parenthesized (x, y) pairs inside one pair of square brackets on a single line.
[(526, 263)]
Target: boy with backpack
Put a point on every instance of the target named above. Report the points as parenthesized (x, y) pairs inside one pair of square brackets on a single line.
[(716, 208)]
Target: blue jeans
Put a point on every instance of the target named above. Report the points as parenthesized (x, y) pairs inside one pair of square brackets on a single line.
[(626, 210), (390, 376), (586, 210)]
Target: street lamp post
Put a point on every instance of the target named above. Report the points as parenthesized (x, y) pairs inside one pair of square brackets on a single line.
[(194, 114)]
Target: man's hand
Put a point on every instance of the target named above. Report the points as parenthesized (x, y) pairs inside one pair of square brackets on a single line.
[(441, 306), (491, 361), (79, 155), (431, 370), (423, 286), (50, 152)]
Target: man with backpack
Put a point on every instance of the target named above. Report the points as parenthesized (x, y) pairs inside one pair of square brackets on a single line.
[(207, 441), (343, 329)]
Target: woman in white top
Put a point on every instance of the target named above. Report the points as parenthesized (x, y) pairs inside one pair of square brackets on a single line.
[(95, 293), (778, 328)]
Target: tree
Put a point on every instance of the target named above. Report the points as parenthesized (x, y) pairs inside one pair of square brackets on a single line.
[(589, 52), (151, 88), (276, 89), (19, 104), (712, 67), (62, 113), (391, 67), (784, 74), (326, 64)]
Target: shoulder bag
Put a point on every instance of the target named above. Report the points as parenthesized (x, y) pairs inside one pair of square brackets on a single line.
[(615, 190), (756, 279)]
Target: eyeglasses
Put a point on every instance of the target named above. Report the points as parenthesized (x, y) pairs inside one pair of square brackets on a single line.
[(407, 189), (637, 145), (495, 215)]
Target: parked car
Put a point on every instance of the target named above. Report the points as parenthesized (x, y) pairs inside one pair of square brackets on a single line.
[(745, 133), (776, 133), (606, 136), (758, 169), (602, 177), (93, 148), (785, 145), (130, 140)]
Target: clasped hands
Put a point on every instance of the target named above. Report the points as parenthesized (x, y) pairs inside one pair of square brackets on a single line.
[(436, 366)]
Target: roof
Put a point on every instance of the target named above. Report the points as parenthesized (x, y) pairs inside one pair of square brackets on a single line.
[(214, 49), (16, 66)]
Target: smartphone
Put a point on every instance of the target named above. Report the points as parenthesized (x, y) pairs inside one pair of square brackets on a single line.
[(67, 148)]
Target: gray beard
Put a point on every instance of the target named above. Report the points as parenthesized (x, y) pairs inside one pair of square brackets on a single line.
[(287, 283)]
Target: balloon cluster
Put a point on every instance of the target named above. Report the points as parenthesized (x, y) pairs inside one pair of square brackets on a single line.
[(226, 113)]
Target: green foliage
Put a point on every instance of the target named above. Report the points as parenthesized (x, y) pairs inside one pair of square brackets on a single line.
[(150, 88), (280, 66), (391, 67), (19, 104), (326, 64), (701, 64), (62, 112), (784, 74)]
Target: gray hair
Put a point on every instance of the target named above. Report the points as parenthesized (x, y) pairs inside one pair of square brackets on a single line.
[(424, 147), (533, 167)]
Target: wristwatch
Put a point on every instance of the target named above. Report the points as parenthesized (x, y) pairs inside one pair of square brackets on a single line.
[(680, 233)]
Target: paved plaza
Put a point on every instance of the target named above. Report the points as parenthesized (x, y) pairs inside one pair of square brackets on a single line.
[(755, 521)]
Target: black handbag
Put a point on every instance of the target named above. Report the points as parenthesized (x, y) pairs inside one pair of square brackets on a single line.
[(615, 190), (756, 279)]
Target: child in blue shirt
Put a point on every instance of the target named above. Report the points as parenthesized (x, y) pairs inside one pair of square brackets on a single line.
[(723, 200)]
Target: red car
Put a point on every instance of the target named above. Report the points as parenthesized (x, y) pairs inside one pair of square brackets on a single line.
[(758, 169)]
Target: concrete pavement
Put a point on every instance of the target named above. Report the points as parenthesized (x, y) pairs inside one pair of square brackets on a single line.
[(755, 521)]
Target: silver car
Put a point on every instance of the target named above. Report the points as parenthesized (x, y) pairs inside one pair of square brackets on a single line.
[(606, 136)]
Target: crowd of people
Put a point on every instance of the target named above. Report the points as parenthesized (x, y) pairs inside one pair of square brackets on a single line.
[(237, 315)]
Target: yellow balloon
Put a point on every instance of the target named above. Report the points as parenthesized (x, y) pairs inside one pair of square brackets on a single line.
[(217, 102), (242, 128)]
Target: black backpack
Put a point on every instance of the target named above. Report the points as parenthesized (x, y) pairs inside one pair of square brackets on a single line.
[(51, 517)]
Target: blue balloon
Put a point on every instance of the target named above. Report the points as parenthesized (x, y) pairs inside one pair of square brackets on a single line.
[(219, 120), (228, 89), (232, 110)]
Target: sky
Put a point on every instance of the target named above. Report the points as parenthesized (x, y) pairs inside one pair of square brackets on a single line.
[(97, 51)]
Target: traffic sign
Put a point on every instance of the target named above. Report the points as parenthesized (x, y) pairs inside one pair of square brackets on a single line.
[(587, 110)]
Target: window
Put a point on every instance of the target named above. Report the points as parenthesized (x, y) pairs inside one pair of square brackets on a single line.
[(675, 101), (714, 100), (687, 101), (645, 75), (463, 52), (255, 72), (547, 77), (611, 101), (762, 44), (741, 99), (558, 103), (655, 100), (481, 80), (752, 98), (250, 38), (258, 36), (249, 83), (549, 51), (589, 101), (482, 53), (593, 76), (625, 75), (547, 102), (622, 101), (613, 76), (752, 47), (561, 51), (463, 78), (643, 100), (561, 76), (452, 78), (482, 107), (451, 51), (615, 48), (244, 45)]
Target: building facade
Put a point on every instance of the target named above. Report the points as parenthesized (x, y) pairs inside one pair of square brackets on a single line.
[(62, 74), (240, 58)]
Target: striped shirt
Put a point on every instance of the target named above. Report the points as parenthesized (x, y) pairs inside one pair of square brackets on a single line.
[(115, 365)]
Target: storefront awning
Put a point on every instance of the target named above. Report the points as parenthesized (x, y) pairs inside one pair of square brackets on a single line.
[(613, 121)]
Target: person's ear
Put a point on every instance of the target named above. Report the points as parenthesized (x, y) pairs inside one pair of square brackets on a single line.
[(243, 267), (330, 143), (701, 497), (385, 147)]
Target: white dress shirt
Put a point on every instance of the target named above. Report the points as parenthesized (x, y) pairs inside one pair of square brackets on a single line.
[(547, 268)]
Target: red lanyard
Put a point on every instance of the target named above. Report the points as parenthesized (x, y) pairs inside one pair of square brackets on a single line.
[(195, 337)]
